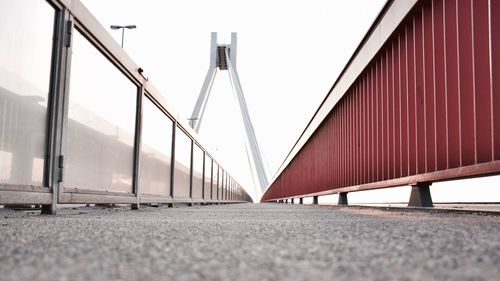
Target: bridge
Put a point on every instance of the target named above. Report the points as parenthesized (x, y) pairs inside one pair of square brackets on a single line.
[(85, 135)]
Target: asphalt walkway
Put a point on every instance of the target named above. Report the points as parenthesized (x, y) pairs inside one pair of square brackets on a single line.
[(249, 242)]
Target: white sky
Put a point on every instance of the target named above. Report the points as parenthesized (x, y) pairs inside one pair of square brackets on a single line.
[(289, 54)]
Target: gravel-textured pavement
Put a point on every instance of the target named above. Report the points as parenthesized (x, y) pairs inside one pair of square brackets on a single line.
[(249, 242)]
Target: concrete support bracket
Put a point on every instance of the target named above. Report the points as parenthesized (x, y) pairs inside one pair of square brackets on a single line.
[(315, 200), (420, 195), (343, 199)]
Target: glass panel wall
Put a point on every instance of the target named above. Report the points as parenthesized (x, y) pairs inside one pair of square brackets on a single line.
[(156, 150), (208, 177), (197, 172), (100, 133), (182, 164), (26, 32)]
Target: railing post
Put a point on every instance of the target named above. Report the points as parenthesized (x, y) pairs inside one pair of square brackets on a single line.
[(58, 104), (343, 199), (315, 200), (137, 148), (291, 201), (420, 195), (301, 200)]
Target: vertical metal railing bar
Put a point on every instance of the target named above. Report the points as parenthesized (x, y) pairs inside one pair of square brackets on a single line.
[(360, 145), (172, 160), (420, 114), (445, 93), (392, 115), (412, 135), (400, 104), (357, 147), (356, 131), (191, 174), (376, 120), (424, 163), (429, 96), (383, 110), (211, 179), (482, 94), (466, 83), (203, 176), (452, 90), (350, 125), (388, 116), (64, 94), (474, 92), (435, 111), (138, 143), (406, 105), (490, 58), (458, 84), (387, 120), (51, 121), (55, 110)]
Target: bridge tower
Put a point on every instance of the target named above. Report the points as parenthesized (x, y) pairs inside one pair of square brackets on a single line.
[(223, 57)]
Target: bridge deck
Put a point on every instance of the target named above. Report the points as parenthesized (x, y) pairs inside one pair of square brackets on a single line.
[(249, 242)]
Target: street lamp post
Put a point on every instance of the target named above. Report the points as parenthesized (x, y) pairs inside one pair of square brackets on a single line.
[(122, 27)]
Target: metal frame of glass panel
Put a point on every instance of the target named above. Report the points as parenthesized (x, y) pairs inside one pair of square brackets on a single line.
[(71, 15)]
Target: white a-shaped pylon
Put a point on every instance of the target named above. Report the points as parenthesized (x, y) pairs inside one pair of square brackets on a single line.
[(223, 57)]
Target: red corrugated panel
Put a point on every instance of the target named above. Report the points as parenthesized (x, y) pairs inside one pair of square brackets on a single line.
[(428, 101), (430, 97), (440, 86), (495, 73), (398, 135), (420, 94), (482, 89), (451, 84), (390, 108), (410, 76), (403, 74), (383, 116), (466, 82)]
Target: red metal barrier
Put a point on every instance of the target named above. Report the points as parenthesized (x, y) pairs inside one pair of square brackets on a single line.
[(425, 107)]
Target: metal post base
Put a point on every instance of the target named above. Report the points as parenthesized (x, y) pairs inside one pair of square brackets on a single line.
[(49, 210), (420, 195), (134, 207), (343, 199), (301, 200), (170, 205), (291, 201), (315, 200)]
